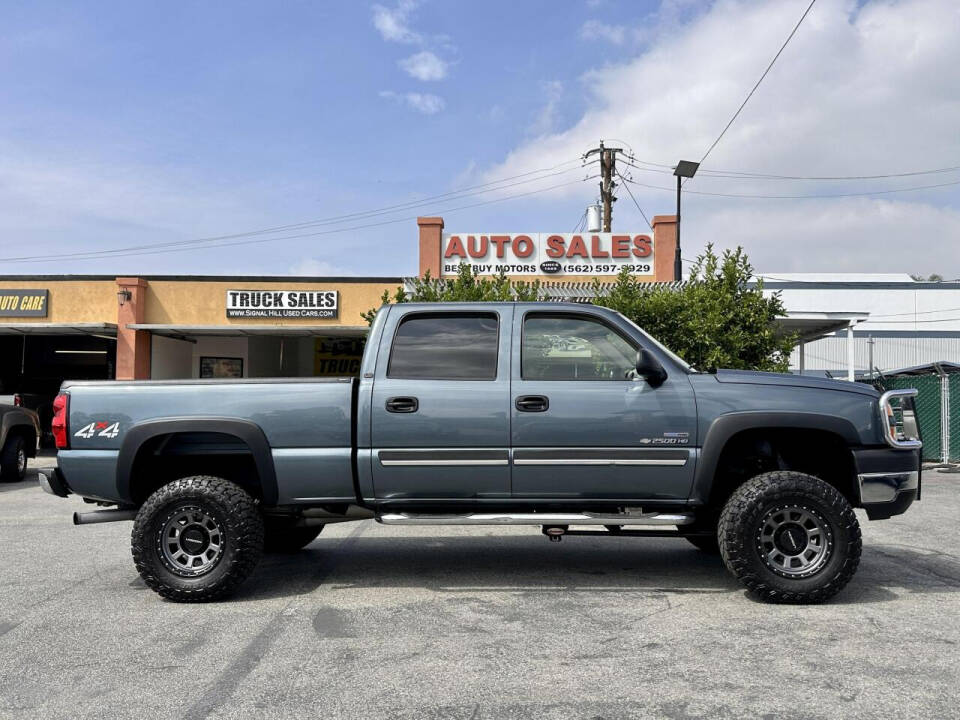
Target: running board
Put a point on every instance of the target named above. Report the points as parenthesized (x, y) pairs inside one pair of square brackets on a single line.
[(535, 519)]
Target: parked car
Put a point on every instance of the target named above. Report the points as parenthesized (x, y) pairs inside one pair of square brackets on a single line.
[(19, 434), (568, 417), (41, 404)]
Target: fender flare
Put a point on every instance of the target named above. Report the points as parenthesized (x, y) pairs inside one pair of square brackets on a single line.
[(248, 432), (16, 419), (726, 426)]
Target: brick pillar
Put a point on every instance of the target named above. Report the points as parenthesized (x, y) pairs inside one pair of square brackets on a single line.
[(133, 346), (431, 229), (664, 246)]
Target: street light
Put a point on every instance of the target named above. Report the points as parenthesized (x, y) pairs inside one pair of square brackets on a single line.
[(684, 169)]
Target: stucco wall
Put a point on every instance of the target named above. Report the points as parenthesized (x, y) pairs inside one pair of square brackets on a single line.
[(186, 302), (71, 301)]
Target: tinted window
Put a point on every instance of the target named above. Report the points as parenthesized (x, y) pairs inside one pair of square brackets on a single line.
[(445, 347), (574, 348)]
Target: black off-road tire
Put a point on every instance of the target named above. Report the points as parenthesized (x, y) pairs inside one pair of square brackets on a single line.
[(239, 534), (742, 544), (281, 536), (13, 459)]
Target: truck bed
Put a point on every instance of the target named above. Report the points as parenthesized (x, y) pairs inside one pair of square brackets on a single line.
[(306, 421)]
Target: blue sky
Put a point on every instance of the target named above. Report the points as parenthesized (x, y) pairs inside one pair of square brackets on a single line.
[(133, 123)]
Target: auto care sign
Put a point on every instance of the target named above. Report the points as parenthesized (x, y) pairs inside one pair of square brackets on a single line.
[(547, 253), (323, 304), (23, 303)]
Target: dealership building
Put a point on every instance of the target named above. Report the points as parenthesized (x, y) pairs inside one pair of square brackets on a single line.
[(58, 327)]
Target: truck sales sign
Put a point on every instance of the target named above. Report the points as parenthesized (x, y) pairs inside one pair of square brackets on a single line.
[(323, 304), (548, 253)]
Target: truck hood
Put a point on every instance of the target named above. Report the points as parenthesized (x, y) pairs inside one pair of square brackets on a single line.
[(787, 379)]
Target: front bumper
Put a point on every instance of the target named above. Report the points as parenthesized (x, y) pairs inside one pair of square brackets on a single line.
[(888, 481)]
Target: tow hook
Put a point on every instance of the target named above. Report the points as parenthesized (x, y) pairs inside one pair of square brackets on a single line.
[(554, 532)]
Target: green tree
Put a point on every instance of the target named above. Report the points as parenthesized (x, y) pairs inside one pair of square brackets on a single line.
[(465, 287), (715, 319)]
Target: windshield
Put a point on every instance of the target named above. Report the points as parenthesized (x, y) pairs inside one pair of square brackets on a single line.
[(660, 346)]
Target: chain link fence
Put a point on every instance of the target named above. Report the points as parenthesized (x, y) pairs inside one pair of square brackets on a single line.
[(930, 404)]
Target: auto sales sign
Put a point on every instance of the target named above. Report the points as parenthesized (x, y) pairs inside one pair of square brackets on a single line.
[(323, 304), (548, 253)]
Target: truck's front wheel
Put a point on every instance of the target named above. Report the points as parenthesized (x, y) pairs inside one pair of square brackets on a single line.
[(790, 538), (197, 538)]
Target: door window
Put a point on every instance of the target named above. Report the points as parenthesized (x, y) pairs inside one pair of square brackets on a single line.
[(574, 348), (445, 346)]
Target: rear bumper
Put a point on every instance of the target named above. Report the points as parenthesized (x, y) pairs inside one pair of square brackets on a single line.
[(52, 482), (888, 481)]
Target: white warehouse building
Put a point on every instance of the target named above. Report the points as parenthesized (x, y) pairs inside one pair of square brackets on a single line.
[(891, 318)]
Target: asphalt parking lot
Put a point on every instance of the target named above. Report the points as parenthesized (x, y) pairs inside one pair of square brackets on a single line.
[(379, 622)]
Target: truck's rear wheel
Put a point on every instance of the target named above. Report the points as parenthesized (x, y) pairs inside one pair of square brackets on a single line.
[(197, 538), (790, 538), (282, 536), (13, 459)]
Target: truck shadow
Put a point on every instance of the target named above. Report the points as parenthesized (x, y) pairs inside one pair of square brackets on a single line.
[(503, 564), (520, 564)]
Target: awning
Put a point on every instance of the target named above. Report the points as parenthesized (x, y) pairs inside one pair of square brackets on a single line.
[(179, 331), (98, 329), (814, 325)]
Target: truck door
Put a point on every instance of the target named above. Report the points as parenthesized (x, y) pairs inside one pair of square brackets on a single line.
[(439, 418), (583, 426)]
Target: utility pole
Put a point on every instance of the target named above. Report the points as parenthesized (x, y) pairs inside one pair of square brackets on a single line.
[(608, 168)]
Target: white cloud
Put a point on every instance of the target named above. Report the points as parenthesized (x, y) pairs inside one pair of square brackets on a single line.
[(546, 116), (847, 235), (392, 23), (597, 30), (311, 267), (421, 102), (424, 66), (861, 89)]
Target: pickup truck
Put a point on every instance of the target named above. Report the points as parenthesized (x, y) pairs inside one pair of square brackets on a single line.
[(19, 434), (564, 416)]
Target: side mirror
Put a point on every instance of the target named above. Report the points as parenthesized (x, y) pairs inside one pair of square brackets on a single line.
[(649, 368)]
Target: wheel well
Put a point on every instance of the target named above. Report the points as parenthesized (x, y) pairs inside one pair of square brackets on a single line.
[(820, 453), (29, 436), (168, 457)]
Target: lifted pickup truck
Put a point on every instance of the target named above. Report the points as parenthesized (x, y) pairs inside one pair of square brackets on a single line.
[(568, 417)]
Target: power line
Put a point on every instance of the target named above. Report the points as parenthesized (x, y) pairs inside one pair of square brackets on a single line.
[(258, 240), (754, 89), (800, 197), (627, 186), (450, 197), (580, 221), (748, 175)]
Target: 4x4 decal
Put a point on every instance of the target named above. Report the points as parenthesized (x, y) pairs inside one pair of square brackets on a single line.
[(100, 429)]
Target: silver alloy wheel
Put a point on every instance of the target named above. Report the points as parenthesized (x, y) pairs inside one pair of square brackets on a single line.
[(190, 542), (21, 461), (794, 541)]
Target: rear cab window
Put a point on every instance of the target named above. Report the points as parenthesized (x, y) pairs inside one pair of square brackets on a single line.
[(445, 346)]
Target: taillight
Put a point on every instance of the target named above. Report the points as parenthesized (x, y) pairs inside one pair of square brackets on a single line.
[(18, 401), (59, 423)]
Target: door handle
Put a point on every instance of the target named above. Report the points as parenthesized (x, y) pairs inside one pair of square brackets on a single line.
[(532, 403), (402, 405)]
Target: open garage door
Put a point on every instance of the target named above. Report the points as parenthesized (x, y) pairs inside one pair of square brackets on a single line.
[(36, 359)]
